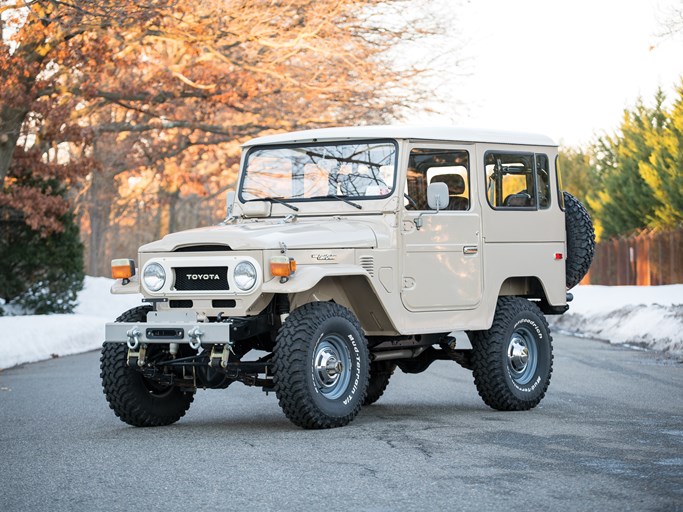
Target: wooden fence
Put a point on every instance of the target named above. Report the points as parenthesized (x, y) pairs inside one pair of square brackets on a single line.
[(648, 258)]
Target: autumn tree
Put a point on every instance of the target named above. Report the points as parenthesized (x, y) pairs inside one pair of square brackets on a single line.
[(44, 45), (154, 88)]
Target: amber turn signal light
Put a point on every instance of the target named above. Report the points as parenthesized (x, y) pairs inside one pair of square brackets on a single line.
[(282, 266), (122, 269)]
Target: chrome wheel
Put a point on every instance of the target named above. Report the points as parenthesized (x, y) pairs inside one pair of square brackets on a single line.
[(522, 356), (332, 367), (512, 361), (321, 365)]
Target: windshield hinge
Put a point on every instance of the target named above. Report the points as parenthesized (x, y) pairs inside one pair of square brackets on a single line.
[(289, 218)]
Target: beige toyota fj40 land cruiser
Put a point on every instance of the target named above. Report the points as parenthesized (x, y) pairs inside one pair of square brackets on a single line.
[(348, 252)]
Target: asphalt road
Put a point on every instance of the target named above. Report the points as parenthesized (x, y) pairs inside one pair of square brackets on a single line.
[(608, 436)]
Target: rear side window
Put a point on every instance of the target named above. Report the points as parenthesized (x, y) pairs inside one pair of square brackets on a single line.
[(560, 194), (543, 180), (517, 180), (510, 180)]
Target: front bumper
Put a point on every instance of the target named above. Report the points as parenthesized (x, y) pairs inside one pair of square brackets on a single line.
[(169, 327)]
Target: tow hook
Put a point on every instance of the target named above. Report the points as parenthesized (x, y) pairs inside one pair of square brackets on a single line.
[(195, 335), (136, 352), (133, 338)]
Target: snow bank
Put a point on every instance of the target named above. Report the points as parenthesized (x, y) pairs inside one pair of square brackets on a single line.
[(645, 316), (26, 339)]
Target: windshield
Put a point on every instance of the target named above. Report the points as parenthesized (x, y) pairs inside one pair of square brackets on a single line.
[(316, 171)]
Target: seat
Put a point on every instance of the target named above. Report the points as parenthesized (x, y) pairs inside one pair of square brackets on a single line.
[(521, 199), (456, 187)]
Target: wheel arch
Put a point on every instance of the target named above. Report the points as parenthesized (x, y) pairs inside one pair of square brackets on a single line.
[(529, 287), (353, 291), (534, 289)]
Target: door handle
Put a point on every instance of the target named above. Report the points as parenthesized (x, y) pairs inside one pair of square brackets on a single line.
[(470, 249)]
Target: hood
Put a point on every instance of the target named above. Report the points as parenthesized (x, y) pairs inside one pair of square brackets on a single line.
[(326, 234)]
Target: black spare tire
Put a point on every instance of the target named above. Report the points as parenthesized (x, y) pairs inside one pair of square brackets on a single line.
[(580, 240)]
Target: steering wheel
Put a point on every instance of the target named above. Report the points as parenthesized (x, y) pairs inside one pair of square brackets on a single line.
[(411, 201)]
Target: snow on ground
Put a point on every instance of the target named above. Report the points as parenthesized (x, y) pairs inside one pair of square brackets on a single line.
[(26, 339), (644, 316), (650, 317)]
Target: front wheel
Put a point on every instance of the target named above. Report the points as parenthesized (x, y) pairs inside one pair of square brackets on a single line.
[(134, 399), (513, 360), (321, 366)]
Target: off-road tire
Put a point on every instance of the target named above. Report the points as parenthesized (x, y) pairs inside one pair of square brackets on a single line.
[(133, 399), (498, 377), (380, 373), (311, 334), (580, 240)]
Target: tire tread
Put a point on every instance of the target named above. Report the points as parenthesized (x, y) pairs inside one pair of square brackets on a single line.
[(290, 362), (487, 369), (580, 240), (121, 385)]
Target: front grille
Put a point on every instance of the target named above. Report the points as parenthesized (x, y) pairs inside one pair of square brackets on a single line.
[(201, 278)]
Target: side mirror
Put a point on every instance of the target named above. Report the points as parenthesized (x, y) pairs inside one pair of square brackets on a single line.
[(437, 196)]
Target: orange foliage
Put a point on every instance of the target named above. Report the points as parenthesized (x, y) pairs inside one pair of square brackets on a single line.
[(165, 90)]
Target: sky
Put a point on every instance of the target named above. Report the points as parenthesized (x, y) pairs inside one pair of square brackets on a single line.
[(567, 69)]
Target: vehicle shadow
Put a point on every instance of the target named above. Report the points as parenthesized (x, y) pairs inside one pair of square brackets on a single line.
[(413, 415)]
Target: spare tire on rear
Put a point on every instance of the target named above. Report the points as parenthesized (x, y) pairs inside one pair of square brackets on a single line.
[(580, 240)]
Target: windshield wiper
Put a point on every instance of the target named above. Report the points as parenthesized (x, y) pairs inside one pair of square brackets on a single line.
[(277, 200), (341, 198)]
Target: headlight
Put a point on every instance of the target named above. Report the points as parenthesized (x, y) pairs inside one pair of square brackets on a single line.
[(154, 277), (245, 275)]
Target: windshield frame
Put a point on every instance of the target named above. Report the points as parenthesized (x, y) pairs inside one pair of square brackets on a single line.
[(314, 143)]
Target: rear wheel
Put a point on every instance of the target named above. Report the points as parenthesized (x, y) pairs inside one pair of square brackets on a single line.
[(134, 399), (512, 361), (321, 364)]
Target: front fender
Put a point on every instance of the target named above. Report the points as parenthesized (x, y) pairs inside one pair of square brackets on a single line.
[(307, 276)]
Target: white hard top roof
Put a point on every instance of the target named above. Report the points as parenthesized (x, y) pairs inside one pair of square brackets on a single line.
[(435, 133)]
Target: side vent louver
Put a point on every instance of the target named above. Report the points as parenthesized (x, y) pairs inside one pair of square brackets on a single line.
[(368, 263)]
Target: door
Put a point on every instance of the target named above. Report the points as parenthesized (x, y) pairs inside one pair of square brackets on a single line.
[(442, 259)]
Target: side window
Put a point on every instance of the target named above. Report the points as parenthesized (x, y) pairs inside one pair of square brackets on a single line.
[(558, 174), (427, 166), (543, 180), (510, 180)]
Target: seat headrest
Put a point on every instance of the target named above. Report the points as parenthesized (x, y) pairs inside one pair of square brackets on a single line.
[(455, 182)]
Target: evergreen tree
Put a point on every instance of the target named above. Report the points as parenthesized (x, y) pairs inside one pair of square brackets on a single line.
[(579, 177), (625, 202), (663, 171), (40, 273)]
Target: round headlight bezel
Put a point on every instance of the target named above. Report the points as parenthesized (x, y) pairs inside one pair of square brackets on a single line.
[(154, 271), (245, 270)]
